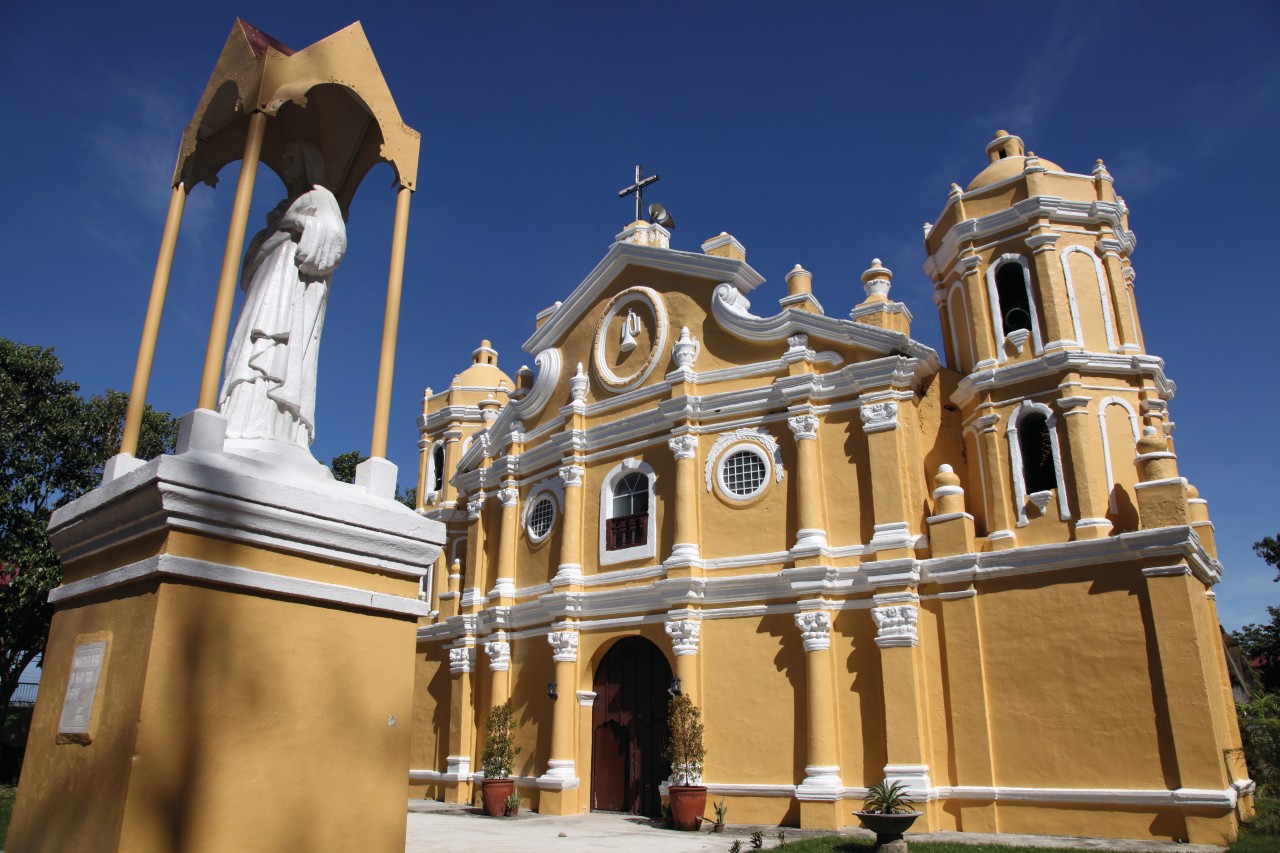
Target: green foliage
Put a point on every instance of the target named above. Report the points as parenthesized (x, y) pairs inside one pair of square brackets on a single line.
[(736, 847), (53, 444), (887, 798), (512, 802), (721, 811), (685, 751), (1261, 647), (1260, 736), (757, 839), (782, 838), (500, 750), (344, 465), (7, 795), (1268, 548)]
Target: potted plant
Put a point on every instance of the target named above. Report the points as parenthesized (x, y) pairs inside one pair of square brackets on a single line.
[(887, 812), (497, 761), (721, 811), (512, 804), (686, 754)]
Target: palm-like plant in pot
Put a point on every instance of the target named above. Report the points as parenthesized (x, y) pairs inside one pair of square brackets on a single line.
[(887, 811), (498, 760), (686, 754)]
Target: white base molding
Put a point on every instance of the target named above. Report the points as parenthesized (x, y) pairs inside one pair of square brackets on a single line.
[(559, 776), (821, 784)]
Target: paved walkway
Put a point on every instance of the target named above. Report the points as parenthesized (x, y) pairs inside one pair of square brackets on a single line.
[(440, 828)]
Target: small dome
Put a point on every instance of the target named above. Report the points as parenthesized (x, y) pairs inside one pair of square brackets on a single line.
[(1005, 158), (1006, 168), (484, 372), (484, 376)]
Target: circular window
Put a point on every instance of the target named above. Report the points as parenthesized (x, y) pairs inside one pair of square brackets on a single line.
[(743, 473), (541, 516)]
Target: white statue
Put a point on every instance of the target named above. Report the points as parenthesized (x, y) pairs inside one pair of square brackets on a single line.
[(269, 385)]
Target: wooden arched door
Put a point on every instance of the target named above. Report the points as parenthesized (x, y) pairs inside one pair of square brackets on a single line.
[(629, 728)]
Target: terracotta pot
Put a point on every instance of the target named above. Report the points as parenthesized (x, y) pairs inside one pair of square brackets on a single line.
[(887, 827), (496, 792), (688, 802), (719, 827)]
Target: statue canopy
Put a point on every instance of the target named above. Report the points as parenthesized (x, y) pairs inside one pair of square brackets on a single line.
[(332, 93)]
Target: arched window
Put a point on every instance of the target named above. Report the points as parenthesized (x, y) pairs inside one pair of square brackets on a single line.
[(627, 525), (1011, 290), (1037, 453), (437, 461), (1035, 459), (628, 514)]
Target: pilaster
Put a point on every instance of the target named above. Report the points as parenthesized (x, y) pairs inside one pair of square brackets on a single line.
[(1090, 476), (1174, 594), (569, 572), (897, 616), (685, 559), (819, 793), (1000, 521), (811, 537), (560, 783), (462, 728), (893, 537), (504, 586)]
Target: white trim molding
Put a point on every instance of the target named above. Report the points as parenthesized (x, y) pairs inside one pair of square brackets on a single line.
[(170, 567), (645, 296)]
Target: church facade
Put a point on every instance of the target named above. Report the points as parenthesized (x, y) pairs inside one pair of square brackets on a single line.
[(977, 572)]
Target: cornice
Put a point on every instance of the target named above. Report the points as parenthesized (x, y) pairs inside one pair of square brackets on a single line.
[(619, 257), (728, 596), (732, 310), (985, 381), (1021, 214)]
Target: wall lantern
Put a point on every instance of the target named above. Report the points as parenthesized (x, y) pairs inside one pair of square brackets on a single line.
[(551, 691), (674, 689)]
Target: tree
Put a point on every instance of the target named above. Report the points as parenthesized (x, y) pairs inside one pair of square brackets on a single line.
[(344, 465), (53, 444), (1268, 548)]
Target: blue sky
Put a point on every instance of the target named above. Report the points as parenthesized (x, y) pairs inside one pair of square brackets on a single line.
[(823, 134)]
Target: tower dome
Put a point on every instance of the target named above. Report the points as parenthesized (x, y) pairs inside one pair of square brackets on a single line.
[(1006, 157)]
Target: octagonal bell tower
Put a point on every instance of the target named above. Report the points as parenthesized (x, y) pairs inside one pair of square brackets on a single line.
[(1035, 290)]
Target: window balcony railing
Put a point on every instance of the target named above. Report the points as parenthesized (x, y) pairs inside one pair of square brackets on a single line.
[(626, 531)]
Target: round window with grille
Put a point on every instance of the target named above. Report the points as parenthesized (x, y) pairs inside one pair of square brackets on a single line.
[(541, 516), (743, 473)]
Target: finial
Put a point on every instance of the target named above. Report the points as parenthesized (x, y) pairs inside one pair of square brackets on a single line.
[(1000, 133), (877, 280), (928, 227), (578, 385)]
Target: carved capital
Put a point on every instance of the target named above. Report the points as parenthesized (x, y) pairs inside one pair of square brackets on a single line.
[(684, 634), (508, 496), (877, 417), (683, 446), (564, 645), (572, 474), (815, 629), (474, 506), (499, 652), (462, 659), (896, 626), (804, 426)]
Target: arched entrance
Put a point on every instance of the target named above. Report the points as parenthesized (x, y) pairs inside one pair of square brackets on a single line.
[(629, 728)]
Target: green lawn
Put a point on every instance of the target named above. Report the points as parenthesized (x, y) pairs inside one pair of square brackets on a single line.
[(1262, 836), (7, 793)]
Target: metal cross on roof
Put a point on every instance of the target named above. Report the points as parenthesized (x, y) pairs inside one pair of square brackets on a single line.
[(638, 188)]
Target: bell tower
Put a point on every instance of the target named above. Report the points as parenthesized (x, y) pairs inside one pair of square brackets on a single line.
[(1034, 288)]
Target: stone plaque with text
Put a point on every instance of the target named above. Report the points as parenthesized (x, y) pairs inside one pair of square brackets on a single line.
[(82, 686)]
